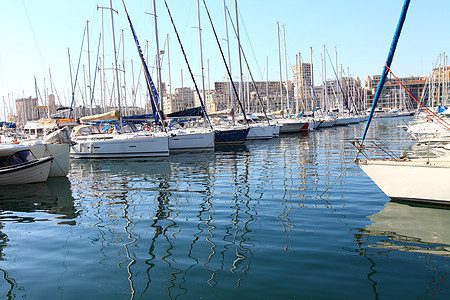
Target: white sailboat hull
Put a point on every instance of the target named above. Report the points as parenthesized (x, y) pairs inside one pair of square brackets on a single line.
[(261, 132), (60, 154), (291, 126), (326, 123), (342, 121), (120, 145), (191, 141), (413, 180)]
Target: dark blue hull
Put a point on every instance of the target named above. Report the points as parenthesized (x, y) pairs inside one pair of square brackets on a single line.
[(231, 136)]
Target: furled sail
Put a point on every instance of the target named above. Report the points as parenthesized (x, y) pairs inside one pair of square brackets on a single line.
[(112, 115)]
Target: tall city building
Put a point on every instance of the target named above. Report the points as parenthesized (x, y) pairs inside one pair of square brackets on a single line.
[(303, 84), (26, 109)]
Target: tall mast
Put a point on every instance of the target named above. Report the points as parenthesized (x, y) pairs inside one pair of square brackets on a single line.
[(285, 63), (229, 63), (168, 68), (127, 111), (325, 74), (279, 62), (158, 64), (201, 53), (89, 65), (299, 88), (182, 88), (267, 84), (241, 87), (312, 78), (115, 62)]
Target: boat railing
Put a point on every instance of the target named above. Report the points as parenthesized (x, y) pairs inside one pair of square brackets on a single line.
[(380, 148), (399, 149)]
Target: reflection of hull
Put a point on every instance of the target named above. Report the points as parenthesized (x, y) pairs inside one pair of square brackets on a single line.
[(53, 196), (29, 172), (412, 224), (413, 180), (119, 145), (139, 168)]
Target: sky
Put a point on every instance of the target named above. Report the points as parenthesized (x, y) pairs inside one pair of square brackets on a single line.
[(37, 38)]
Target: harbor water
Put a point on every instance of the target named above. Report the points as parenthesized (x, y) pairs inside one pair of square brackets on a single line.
[(248, 222)]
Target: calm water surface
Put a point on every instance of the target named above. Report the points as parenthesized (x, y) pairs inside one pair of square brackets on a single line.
[(241, 222)]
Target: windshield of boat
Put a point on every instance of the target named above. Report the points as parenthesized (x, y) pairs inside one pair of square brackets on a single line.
[(16, 158)]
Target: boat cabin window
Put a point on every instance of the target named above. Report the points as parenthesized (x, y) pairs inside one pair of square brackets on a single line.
[(16, 158)]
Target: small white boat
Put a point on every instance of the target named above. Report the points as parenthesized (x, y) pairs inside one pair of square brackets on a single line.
[(19, 166)]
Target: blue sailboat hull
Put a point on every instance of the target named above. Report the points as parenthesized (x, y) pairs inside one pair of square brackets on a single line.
[(231, 136)]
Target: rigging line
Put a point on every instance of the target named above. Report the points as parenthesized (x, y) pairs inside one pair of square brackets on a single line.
[(76, 75), (380, 85), (343, 171), (250, 72), (153, 93), (248, 39), (96, 66), (34, 36), (313, 92), (337, 80), (431, 113), (389, 59), (226, 66), (189, 67)]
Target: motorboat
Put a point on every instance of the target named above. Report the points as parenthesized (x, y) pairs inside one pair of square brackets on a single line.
[(19, 166)]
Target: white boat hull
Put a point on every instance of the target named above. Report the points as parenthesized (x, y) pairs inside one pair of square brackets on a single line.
[(412, 180), (342, 121), (292, 126), (191, 141), (325, 123), (275, 130), (121, 145), (31, 172), (60, 154), (261, 132)]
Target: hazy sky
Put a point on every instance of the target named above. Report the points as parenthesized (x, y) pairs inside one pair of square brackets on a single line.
[(36, 37)]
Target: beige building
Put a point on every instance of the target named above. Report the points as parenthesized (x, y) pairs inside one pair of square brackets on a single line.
[(26, 109)]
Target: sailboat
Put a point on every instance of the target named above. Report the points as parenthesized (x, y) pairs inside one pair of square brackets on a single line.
[(91, 142), (185, 138), (419, 179)]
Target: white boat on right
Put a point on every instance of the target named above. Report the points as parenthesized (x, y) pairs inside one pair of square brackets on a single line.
[(421, 179)]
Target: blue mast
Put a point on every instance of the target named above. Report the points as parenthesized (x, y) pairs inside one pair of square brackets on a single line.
[(387, 65), (157, 114)]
